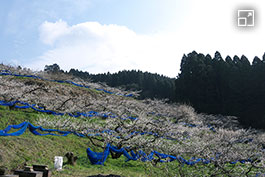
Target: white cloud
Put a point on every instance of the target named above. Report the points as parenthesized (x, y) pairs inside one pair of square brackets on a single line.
[(212, 25), (209, 26), (98, 48), (50, 32)]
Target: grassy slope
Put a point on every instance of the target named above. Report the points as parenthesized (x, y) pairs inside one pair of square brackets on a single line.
[(31, 149), (15, 151)]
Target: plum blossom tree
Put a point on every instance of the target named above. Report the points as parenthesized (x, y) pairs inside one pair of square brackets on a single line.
[(146, 125), (232, 152)]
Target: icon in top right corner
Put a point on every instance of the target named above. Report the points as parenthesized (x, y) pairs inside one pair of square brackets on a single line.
[(245, 18)]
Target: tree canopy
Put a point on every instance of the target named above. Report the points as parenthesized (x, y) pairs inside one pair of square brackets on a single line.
[(214, 85), (229, 87), (151, 85)]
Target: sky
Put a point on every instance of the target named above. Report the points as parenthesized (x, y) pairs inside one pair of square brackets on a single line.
[(101, 36)]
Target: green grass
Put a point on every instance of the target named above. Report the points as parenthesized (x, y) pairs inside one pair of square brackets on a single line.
[(90, 90), (15, 116), (31, 149)]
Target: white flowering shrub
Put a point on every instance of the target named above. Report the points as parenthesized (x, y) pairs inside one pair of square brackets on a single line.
[(222, 146), (167, 128)]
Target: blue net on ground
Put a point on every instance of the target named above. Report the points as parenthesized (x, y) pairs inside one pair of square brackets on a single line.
[(98, 158), (8, 73), (77, 114), (86, 114), (35, 130)]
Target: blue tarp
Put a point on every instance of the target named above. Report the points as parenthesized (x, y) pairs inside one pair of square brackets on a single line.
[(33, 129), (8, 73), (85, 114), (77, 114), (98, 158)]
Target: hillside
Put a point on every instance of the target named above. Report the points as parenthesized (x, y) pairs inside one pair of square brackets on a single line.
[(30, 149), (227, 86), (211, 84), (188, 139)]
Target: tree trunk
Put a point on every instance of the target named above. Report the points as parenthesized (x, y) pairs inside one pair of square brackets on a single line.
[(71, 159)]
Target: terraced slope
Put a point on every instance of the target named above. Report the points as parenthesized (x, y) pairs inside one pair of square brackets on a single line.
[(213, 145), (30, 149)]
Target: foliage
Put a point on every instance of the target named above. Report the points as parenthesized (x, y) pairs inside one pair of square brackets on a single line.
[(168, 128), (30, 149), (55, 68), (228, 87), (151, 85)]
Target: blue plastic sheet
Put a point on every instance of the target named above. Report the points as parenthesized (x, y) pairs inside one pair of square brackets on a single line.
[(88, 114), (78, 114), (8, 73), (98, 158), (35, 130)]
